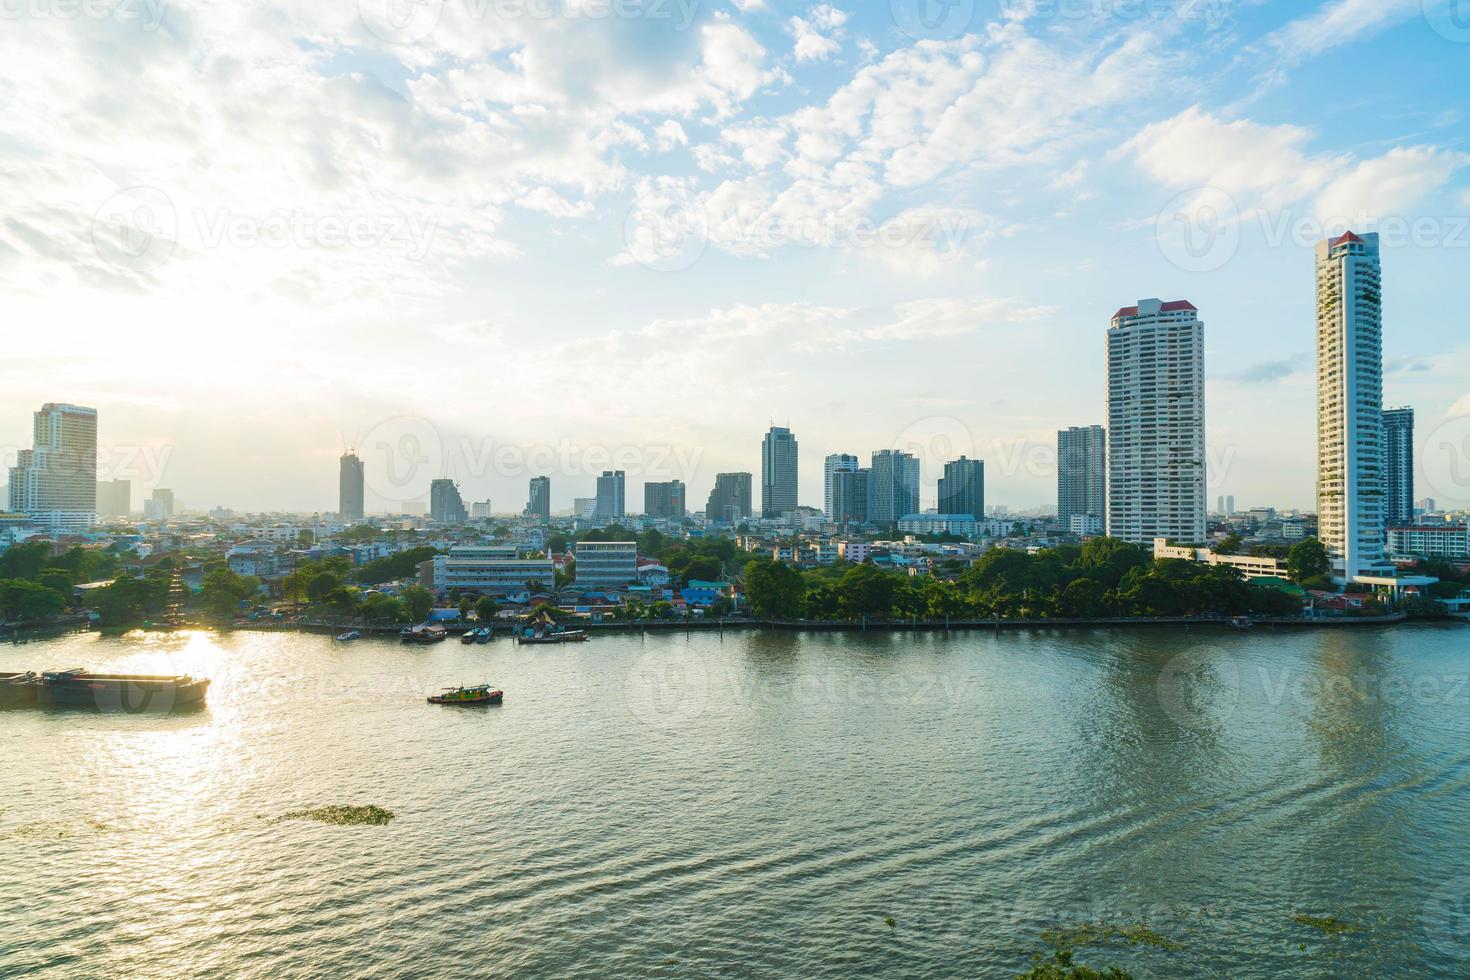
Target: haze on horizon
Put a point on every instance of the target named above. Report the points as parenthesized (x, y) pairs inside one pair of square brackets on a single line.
[(522, 240)]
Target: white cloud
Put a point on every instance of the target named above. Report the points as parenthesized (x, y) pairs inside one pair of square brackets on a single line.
[(1387, 186), (670, 134), (1340, 22), (817, 35)]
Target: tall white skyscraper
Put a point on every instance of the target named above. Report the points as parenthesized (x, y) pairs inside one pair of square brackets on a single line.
[(1156, 423), (55, 481), (1350, 449), (778, 472), (836, 463)]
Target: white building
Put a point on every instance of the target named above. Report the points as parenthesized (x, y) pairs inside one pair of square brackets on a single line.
[(1085, 525), (1248, 565), (856, 552), (1156, 422), (486, 569), (963, 525), (1431, 541), (55, 481), (606, 564), (1350, 451)]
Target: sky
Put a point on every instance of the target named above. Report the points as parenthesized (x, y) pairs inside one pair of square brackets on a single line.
[(488, 239)]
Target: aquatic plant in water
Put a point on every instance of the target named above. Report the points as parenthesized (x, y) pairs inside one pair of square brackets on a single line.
[(344, 816)]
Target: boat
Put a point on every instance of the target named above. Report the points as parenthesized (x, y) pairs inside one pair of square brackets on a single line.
[(486, 635), (480, 694), (18, 689), (126, 692), (349, 635), (427, 633), (1241, 623), (566, 636), (469, 636)]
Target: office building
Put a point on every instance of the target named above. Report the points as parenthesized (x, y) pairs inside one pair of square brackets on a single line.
[(350, 488), (1398, 447), (960, 525), (664, 501), (54, 483), (611, 505), (1156, 423), (849, 495), (1082, 472), (778, 473), (606, 564), (114, 498), (538, 506), (584, 508), (730, 500), (1350, 452), (835, 464), (480, 510), (893, 486), (487, 571), (962, 488), (446, 506), (160, 506)]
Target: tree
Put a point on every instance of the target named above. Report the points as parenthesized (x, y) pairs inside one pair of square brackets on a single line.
[(1083, 599), (56, 578), (321, 584), (394, 567), (418, 601), (26, 601), (383, 609), (866, 590), (1230, 545), (223, 590), (774, 590), (24, 560), (486, 609), (705, 568), (1307, 559), (129, 600)]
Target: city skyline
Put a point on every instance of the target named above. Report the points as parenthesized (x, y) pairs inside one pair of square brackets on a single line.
[(1027, 225)]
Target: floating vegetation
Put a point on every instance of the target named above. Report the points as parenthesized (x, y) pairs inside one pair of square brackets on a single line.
[(344, 816), (1061, 967), (1330, 925), (1101, 933), (888, 921)]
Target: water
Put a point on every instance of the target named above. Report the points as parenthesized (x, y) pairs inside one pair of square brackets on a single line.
[(754, 803)]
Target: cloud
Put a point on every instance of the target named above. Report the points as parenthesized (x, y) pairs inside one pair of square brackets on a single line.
[(1340, 22), (1268, 372), (817, 34), (1388, 185)]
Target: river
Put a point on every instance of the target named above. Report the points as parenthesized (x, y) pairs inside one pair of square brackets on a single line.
[(767, 804)]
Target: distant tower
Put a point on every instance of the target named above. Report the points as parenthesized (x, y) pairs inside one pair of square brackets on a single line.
[(538, 506), (1156, 423), (55, 481), (893, 486), (664, 501), (446, 506), (611, 503), (962, 488), (1350, 456), (835, 463), (1398, 443), (778, 473), (349, 488), (1082, 472), (729, 501)]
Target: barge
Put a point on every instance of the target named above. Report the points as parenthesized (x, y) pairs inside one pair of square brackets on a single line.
[(107, 692)]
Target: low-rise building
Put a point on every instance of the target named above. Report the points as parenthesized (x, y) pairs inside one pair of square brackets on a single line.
[(1085, 525), (1430, 541), (606, 564), (856, 552), (1250, 566), (962, 525), (471, 570)]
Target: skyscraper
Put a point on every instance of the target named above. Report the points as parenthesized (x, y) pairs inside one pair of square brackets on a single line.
[(610, 496), (778, 473), (1398, 444), (835, 463), (114, 498), (538, 506), (446, 506), (729, 501), (962, 488), (160, 506), (1350, 457), (1156, 423), (349, 488), (1082, 472), (664, 501), (55, 481), (850, 496), (893, 486)]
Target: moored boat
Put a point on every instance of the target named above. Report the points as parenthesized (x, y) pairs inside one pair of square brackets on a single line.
[(18, 689), (427, 633), (566, 636), (119, 692), (479, 694), (349, 636)]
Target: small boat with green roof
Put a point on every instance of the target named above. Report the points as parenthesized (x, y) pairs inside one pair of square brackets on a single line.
[(480, 694)]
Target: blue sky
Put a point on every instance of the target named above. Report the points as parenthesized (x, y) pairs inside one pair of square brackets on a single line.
[(488, 240)]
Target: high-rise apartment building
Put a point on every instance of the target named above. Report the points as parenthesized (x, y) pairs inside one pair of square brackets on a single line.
[(446, 506), (55, 481), (730, 500), (962, 488), (1156, 423), (350, 488), (835, 463), (1350, 451), (664, 501), (893, 486), (850, 496), (611, 498), (778, 472), (1082, 473), (1398, 446), (114, 498), (538, 506), (160, 506)]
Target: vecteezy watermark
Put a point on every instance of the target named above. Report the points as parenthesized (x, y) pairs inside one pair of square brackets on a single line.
[(147, 14), (1199, 689), (1199, 230), (1445, 457), (141, 464), (412, 21), (933, 20), (666, 690), (139, 228), (1212, 13), (667, 229), (936, 440), (1394, 231), (1450, 19), (1446, 920)]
